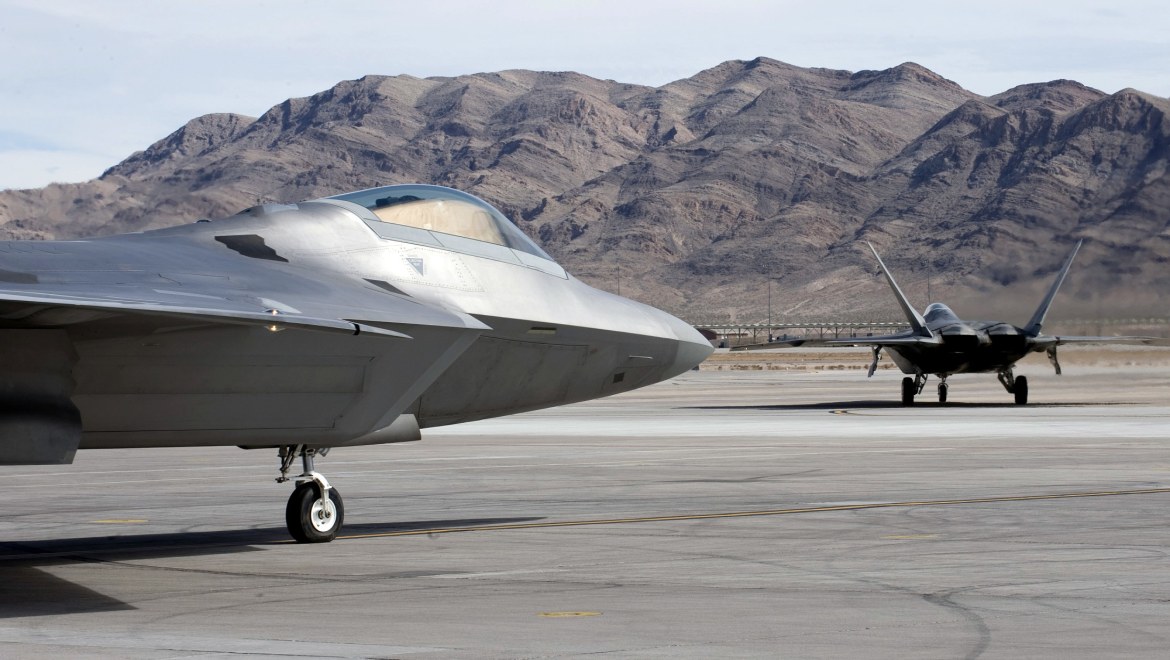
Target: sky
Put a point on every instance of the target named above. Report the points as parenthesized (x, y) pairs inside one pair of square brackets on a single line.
[(85, 84)]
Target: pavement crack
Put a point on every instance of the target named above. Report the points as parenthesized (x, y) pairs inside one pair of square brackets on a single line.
[(982, 631)]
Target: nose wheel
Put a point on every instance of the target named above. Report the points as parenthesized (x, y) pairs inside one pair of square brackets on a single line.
[(315, 512), (312, 518)]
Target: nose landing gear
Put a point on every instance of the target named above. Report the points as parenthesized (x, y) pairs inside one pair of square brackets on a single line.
[(315, 512)]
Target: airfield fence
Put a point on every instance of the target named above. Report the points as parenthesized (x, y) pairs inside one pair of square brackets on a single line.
[(735, 334)]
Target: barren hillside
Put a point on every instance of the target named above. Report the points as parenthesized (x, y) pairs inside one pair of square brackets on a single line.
[(695, 194)]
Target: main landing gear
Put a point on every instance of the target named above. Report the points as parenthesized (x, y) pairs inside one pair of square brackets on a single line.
[(314, 512), (912, 387), (1017, 386)]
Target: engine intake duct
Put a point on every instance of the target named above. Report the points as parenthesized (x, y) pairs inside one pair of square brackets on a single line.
[(1006, 337), (39, 425)]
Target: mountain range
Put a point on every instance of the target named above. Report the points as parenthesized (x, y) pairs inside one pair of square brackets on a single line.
[(746, 184)]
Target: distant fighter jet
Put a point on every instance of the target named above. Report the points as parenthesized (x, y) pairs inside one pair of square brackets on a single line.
[(940, 343), (352, 320)]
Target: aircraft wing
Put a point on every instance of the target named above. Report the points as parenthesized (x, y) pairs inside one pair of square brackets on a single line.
[(1048, 343), (900, 339), (780, 343), (1109, 340), (1045, 341)]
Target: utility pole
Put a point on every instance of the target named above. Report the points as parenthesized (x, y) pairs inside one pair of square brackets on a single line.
[(769, 309)]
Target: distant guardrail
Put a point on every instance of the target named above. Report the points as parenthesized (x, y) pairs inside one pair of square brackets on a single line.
[(835, 329), (762, 330)]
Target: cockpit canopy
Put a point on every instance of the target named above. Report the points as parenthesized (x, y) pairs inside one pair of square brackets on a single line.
[(939, 312), (443, 210)]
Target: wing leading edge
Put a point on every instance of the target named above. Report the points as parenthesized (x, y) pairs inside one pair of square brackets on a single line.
[(222, 289), (224, 312)]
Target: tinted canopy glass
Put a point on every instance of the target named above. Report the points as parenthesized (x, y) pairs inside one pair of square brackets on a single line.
[(939, 312), (443, 210)]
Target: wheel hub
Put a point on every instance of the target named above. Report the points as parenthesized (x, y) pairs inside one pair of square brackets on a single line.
[(323, 514)]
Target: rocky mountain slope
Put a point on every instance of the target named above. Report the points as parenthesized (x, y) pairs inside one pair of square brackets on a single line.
[(694, 195)]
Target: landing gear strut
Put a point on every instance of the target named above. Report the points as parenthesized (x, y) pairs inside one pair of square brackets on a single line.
[(877, 355), (315, 511), (1017, 386), (1054, 360), (912, 387)]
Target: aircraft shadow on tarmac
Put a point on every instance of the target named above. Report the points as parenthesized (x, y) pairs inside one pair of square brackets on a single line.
[(26, 590), (29, 591), (873, 405)]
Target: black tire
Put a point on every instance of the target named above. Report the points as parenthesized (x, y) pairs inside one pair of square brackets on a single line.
[(298, 515), (908, 391), (942, 392), (1020, 389)]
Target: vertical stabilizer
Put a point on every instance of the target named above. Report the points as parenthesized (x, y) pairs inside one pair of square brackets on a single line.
[(916, 321), (1038, 318)]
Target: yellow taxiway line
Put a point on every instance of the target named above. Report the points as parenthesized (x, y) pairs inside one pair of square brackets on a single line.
[(768, 512)]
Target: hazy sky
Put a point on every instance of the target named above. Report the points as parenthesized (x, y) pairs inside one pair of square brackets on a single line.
[(86, 83)]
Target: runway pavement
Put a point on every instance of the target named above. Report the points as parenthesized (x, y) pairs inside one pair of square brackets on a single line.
[(730, 514)]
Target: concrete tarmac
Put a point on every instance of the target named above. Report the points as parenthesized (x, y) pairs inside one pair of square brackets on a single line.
[(735, 514)]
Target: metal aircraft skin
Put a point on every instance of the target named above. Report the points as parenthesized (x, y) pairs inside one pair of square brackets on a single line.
[(351, 320), (939, 343)]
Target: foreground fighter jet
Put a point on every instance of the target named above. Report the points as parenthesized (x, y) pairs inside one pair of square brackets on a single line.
[(351, 320), (940, 343)]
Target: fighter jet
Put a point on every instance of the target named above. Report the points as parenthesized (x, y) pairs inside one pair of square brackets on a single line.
[(939, 343), (357, 319)]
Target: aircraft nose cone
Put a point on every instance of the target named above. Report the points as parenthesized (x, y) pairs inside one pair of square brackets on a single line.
[(690, 354), (693, 347)]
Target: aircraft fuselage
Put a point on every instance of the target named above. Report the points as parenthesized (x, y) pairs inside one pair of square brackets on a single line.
[(351, 320), (965, 346), (543, 338)]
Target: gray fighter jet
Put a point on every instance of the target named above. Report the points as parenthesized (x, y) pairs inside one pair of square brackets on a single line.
[(351, 320), (939, 343)]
